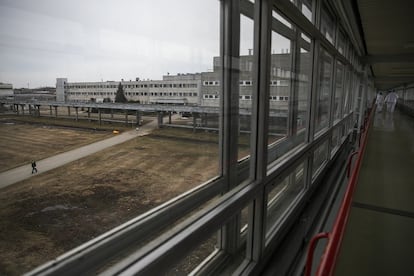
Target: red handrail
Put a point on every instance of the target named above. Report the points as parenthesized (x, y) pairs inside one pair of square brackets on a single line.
[(348, 167), (312, 245), (328, 260)]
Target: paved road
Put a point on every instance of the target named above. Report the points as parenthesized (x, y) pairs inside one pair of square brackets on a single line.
[(21, 173)]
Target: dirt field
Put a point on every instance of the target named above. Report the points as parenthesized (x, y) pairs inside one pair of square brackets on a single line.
[(46, 215), (22, 142)]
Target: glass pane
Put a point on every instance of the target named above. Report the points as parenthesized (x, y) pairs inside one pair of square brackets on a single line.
[(282, 195), (161, 54), (324, 90), (245, 85), (347, 85), (304, 84), (194, 258), (337, 108), (281, 19), (305, 6), (280, 89), (327, 25), (320, 156), (335, 139), (341, 43), (307, 9), (288, 96)]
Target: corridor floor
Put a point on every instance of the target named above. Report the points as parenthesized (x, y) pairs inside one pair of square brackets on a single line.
[(379, 236)]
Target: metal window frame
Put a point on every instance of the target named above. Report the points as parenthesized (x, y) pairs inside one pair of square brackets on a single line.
[(223, 213)]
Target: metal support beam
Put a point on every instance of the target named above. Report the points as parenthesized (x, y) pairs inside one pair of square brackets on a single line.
[(395, 79), (100, 116), (229, 110), (400, 58), (260, 127), (77, 114), (160, 118), (138, 117), (194, 122), (56, 111)]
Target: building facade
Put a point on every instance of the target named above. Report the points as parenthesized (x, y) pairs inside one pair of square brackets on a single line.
[(198, 89), (61, 95)]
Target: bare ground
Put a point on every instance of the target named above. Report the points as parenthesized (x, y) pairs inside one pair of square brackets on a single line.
[(22, 142), (46, 215)]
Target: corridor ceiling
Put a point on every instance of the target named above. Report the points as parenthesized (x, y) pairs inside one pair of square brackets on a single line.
[(388, 32)]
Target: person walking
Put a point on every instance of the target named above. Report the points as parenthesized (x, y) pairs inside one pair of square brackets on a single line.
[(34, 169), (391, 101), (379, 101)]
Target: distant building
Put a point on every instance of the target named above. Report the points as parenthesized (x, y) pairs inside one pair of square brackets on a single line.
[(6, 90), (35, 94), (200, 89)]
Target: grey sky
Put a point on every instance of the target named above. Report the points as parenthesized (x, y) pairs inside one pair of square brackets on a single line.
[(93, 40)]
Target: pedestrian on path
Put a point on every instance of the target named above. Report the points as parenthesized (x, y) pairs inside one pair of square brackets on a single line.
[(34, 169), (391, 100), (379, 101)]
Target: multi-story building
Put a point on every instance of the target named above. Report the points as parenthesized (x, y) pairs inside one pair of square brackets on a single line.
[(180, 89), (200, 89)]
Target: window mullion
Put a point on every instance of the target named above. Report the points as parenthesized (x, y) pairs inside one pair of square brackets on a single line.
[(229, 106), (260, 125)]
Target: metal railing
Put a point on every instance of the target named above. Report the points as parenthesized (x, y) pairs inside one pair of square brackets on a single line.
[(328, 259)]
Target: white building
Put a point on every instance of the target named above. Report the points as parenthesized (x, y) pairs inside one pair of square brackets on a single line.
[(201, 89), (179, 89), (6, 90)]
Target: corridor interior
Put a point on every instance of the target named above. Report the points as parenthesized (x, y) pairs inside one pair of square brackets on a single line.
[(380, 232)]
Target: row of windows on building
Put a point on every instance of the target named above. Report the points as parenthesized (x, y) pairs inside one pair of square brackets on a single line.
[(166, 94), (247, 97), (127, 86), (249, 83)]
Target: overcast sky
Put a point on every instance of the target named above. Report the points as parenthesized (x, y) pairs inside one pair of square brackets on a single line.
[(94, 40)]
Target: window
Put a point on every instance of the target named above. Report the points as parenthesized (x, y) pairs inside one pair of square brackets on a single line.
[(282, 195), (341, 42), (287, 119), (327, 25), (324, 90), (337, 107), (245, 48), (320, 157)]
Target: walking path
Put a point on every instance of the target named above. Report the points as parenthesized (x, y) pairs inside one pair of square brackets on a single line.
[(21, 173)]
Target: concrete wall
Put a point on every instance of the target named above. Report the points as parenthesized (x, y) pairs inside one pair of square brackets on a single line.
[(60, 89)]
